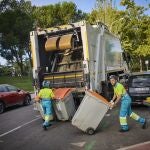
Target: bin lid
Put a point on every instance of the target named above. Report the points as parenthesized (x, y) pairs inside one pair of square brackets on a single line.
[(99, 97), (60, 93)]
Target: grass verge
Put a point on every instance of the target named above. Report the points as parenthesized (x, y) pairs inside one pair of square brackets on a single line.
[(24, 83)]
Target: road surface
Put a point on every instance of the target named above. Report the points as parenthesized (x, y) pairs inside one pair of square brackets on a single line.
[(21, 129)]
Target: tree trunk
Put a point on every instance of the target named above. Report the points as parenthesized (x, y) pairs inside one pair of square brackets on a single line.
[(29, 55), (141, 68), (19, 62), (21, 68)]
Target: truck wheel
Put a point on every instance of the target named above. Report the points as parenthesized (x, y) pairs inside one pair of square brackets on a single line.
[(27, 100), (90, 131), (2, 107)]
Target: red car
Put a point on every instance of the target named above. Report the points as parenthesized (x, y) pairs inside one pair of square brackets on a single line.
[(11, 95)]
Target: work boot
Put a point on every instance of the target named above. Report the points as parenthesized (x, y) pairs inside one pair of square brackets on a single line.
[(44, 127), (121, 130), (145, 125), (49, 125)]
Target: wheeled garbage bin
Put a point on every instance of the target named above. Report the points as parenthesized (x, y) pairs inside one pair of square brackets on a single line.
[(90, 112), (63, 104)]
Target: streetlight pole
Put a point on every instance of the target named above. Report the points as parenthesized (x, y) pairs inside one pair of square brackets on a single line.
[(146, 63)]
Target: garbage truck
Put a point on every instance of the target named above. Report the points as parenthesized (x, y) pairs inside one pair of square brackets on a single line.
[(77, 55)]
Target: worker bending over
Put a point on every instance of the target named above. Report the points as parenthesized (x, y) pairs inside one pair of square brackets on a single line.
[(125, 110)]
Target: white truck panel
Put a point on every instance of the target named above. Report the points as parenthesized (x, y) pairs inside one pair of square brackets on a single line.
[(35, 52)]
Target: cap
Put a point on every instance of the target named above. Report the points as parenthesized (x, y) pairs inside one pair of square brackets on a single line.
[(113, 77)]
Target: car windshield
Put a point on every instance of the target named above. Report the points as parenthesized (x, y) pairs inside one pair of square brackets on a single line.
[(139, 81)]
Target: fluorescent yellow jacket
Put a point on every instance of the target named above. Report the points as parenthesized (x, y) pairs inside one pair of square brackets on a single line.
[(46, 93), (119, 89)]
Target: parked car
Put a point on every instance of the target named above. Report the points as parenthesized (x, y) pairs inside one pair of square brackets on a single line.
[(139, 87), (11, 95)]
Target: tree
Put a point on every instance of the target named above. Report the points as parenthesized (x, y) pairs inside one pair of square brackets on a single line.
[(135, 31), (131, 25), (16, 23), (106, 13), (58, 14)]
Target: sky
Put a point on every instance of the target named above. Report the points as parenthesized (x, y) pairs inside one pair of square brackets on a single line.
[(84, 5), (2, 61)]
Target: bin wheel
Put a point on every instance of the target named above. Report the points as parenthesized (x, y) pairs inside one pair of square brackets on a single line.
[(90, 131)]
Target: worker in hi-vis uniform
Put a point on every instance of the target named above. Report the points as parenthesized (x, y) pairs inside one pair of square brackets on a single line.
[(125, 110), (46, 95)]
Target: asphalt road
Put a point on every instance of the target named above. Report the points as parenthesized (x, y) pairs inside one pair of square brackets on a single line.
[(20, 129)]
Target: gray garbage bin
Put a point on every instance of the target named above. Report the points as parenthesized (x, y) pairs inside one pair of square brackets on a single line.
[(63, 104), (90, 112)]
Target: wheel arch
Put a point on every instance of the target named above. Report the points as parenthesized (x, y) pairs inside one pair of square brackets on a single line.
[(1, 100)]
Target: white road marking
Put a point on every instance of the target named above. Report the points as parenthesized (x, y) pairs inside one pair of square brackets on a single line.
[(10, 131), (38, 116), (79, 144)]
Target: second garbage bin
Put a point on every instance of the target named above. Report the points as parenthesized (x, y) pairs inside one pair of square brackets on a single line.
[(63, 104), (90, 112)]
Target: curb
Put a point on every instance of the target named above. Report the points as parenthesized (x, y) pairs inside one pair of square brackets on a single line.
[(140, 146)]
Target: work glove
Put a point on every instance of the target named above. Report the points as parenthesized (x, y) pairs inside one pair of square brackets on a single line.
[(111, 101), (111, 104)]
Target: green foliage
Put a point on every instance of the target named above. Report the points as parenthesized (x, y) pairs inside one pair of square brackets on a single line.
[(106, 13), (131, 25), (5, 71), (135, 32), (58, 14), (16, 23), (18, 17)]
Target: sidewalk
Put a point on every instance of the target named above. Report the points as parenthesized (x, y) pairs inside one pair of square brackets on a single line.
[(141, 146)]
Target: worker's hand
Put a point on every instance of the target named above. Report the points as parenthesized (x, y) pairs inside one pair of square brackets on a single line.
[(112, 104), (111, 101)]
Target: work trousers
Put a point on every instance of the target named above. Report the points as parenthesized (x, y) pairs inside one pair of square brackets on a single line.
[(47, 110), (126, 111)]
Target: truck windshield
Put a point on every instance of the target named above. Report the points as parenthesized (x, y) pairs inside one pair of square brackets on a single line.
[(139, 81)]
